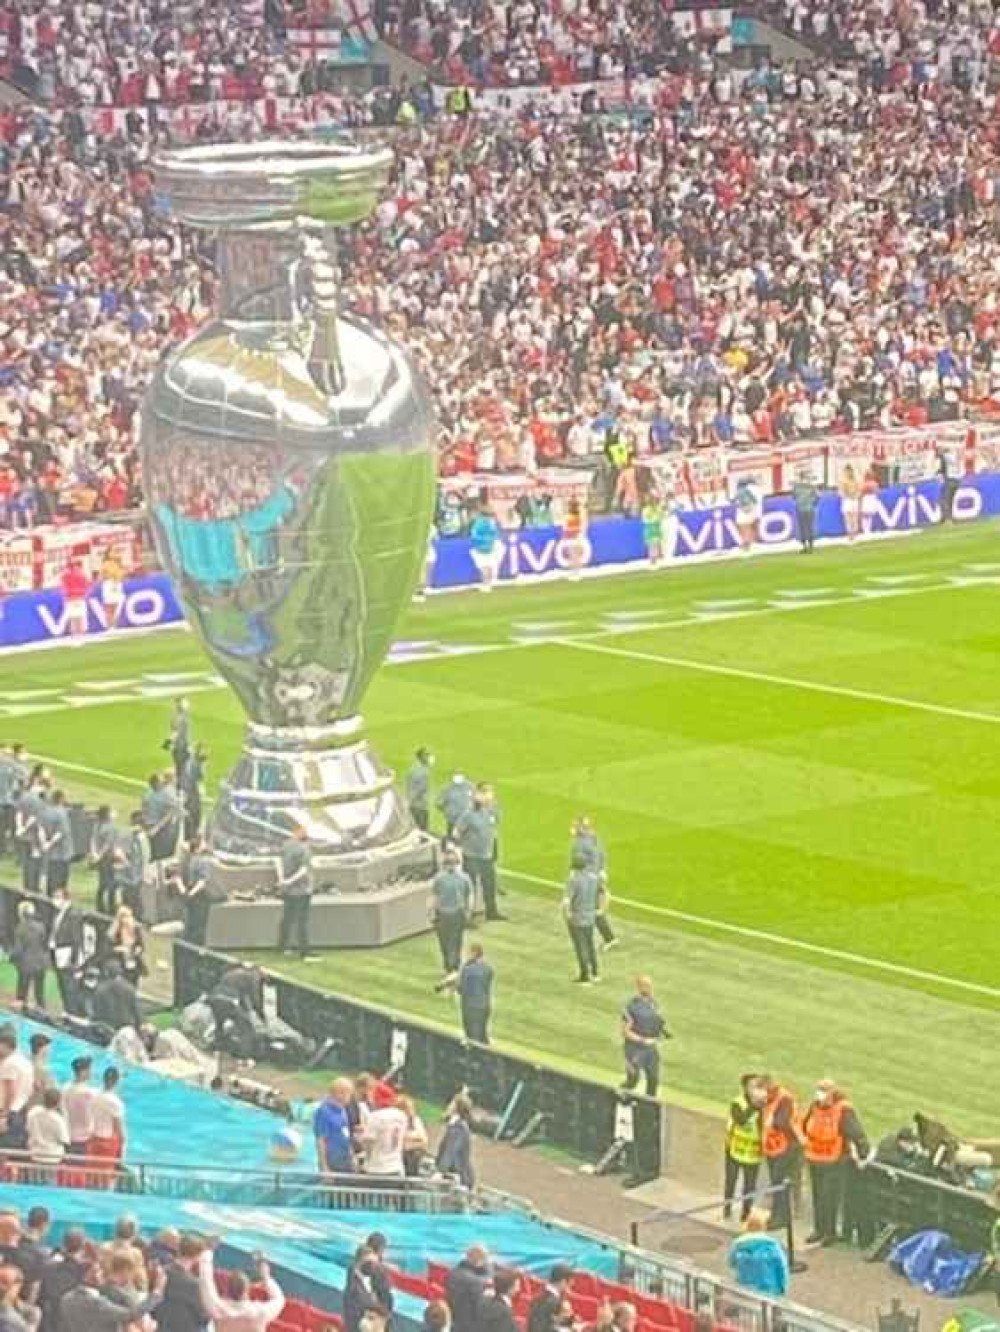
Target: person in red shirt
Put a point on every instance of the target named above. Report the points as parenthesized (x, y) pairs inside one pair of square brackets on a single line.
[(75, 585)]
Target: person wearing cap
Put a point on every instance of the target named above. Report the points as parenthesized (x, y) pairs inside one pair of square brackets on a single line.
[(451, 906), (547, 1310), (477, 832), (832, 1133), (454, 800), (418, 788)]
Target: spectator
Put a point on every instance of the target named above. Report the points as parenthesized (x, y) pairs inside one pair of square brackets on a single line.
[(183, 1309), (48, 1133), (238, 1312), (454, 1153), (85, 1309), (332, 1129), (15, 1316), (108, 1144), (78, 1106), (758, 1261), (465, 1289), (498, 1308), (547, 1310)]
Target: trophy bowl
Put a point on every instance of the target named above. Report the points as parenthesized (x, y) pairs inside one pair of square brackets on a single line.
[(288, 454)]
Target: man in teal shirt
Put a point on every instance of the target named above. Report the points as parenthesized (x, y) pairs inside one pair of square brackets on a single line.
[(454, 800), (418, 789), (296, 886), (587, 844), (477, 831), (451, 906), (57, 843), (581, 905), (806, 498)]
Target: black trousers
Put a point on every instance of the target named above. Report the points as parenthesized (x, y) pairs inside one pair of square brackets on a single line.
[(107, 887), (69, 990), (806, 520), (56, 876), (483, 874), (642, 1061), (779, 1171), (583, 946), (295, 924), (196, 915), (6, 828), (28, 980), (827, 1190), (734, 1169), (450, 927), (192, 818), (163, 844), (475, 1022), (421, 817), (604, 928), (31, 873)]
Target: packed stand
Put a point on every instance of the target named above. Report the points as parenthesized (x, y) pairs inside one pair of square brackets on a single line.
[(515, 42), (739, 261)]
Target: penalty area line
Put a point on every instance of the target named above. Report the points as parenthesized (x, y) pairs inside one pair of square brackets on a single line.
[(765, 936)]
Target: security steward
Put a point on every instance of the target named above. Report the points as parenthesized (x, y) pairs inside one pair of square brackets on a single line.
[(782, 1146), (744, 1144), (643, 1028), (477, 832), (831, 1132), (418, 789), (475, 991), (451, 905)]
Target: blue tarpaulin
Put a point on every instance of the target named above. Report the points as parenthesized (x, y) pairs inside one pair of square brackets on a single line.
[(932, 1260)]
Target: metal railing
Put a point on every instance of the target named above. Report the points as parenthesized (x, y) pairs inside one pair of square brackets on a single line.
[(258, 1188)]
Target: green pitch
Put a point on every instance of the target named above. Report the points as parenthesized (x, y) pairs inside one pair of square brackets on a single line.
[(794, 763)]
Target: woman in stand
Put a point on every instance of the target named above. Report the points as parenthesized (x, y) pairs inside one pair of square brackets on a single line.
[(127, 945), (415, 1141), (30, 955), (454, 1153)]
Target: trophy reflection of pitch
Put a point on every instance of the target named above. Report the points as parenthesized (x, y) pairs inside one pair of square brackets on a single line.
[(288, 461)]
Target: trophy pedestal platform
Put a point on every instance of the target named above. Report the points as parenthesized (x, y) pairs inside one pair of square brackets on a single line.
[(341, 920)]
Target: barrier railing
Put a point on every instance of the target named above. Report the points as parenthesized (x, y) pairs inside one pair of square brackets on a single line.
[(586, 1118), (275, 1188), (917, 1202)]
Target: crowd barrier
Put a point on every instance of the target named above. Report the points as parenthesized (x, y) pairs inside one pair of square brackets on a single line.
[(916, 1202), (584, 1117), (39, 617)]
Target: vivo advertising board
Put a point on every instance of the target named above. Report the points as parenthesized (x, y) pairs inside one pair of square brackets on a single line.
[(33, 617)]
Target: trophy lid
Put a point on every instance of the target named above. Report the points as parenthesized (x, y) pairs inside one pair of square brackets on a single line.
[(272, 185)]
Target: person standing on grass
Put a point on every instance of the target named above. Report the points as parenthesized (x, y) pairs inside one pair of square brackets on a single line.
[(455, 799), (850, 502), (485, 547), (643, 1028), (581, 906), (75, 585), (418, 788), (29, 831), (192, 788), (830, 1129), (161, 816), (586, 844), (103, 845), (30, 955), (180, 737), (451, 907), (652, 530), (477, 832), (13, 779), (296, 885), (806, 499), (475, 992), (195, 892), (749, 505), (132, 860), (57, 843)]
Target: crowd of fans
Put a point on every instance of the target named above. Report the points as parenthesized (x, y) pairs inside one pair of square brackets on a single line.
[(739, 259)]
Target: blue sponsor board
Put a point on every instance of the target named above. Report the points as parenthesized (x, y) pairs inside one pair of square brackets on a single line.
[(38, 617)]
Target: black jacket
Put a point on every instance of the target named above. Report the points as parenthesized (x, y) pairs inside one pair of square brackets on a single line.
[(59, 1275), (359, 1299), (465, 1291), (182, 1309), (543, 1313), (116, 1004), (30, 951), (497, 1316)]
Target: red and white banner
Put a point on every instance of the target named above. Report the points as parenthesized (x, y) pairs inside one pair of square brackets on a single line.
[(17, 564), (35, 559)]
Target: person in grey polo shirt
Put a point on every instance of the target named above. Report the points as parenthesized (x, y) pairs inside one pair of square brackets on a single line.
[(57, 843), (475, 990), (418, 789), (13, 780), (296, 884), (476, 832), (455, 799), (29, 830), (451, 906), (581, 906)]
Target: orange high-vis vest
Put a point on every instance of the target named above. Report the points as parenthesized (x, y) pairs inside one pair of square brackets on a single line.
[(778, 1140), (824, 1133)]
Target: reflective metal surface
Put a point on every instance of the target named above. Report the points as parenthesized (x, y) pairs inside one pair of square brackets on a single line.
[(288, 461)]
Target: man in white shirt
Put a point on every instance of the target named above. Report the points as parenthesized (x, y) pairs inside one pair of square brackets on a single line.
[(239, 1313), (108, 1141), (78, 1106), (384, 1138), (17, 1081), (48, 1133)]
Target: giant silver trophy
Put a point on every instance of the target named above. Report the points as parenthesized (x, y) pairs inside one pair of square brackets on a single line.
[(288, 462)]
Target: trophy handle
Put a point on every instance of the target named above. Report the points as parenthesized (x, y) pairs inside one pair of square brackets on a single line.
[(326, 366)]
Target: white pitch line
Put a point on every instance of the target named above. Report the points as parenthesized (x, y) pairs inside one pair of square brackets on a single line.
[(786, 681), (765, 936), (88, 772)]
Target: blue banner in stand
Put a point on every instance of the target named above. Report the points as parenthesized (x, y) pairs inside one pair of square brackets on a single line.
[(40, 617)]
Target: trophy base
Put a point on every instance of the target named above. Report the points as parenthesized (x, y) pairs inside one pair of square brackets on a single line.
[(328, 781)]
